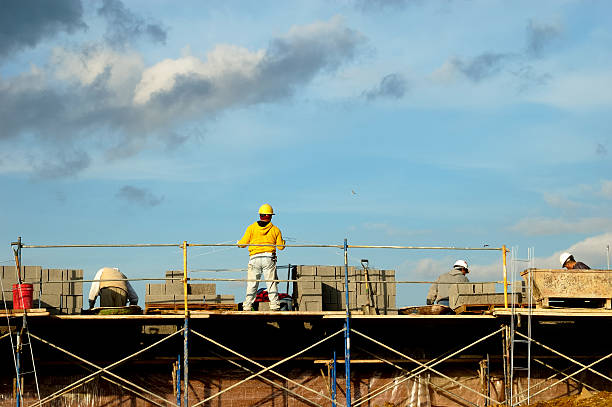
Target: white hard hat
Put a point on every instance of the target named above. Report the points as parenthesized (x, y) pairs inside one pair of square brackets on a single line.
[(563, 258), (461, 264)]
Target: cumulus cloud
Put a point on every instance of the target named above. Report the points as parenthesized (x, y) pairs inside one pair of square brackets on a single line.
[(101, 99), (475, 69), (139, 196), (381, 5), (392, 86), (559, 201), (601, 149), (606, 189), (25, 23), (555, 226), (233, 75), (591, 251), (124, 26), (539, 36)]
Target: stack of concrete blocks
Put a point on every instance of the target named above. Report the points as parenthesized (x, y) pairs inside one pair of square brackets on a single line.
[(322, 288), (478, 294), (57, 290), (172, 292)]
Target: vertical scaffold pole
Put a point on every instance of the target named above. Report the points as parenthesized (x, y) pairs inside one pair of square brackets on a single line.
[(334, 380), (186, 332), (347, 335), (505, 276), (178, 380)]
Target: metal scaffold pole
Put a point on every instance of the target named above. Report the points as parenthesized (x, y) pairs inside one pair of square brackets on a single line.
[(347, 335), (186, 331)]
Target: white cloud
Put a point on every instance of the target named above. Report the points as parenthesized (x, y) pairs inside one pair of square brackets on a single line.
[(555, 226), (559, 201), (225, 61), (606, 189), (591, 251), (86, 66), (575, 91)]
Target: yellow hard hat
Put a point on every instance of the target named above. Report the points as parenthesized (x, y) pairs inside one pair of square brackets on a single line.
[(266, 209)]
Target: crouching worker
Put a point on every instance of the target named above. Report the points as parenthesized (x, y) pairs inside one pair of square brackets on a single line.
[(262, 259), (113, 288), (438, 292)]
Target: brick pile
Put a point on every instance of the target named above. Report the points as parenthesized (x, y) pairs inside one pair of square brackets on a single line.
[(321, 288), (478, 294), (57, 290), (172, 292)]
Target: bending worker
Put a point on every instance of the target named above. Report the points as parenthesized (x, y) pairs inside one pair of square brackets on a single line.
[(438, 292), (567, 261), (262, 259), (113, 288)]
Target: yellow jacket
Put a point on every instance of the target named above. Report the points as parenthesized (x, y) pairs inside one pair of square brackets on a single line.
[(268, 234)]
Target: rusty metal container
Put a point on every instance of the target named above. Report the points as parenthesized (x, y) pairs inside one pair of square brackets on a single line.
[(585, 284)]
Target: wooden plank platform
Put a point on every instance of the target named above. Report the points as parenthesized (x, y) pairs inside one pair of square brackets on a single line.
[(160, 308), (478, 308)]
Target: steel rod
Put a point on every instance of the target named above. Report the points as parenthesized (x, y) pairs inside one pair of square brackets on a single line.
[(568, 377), (335, 246), (347, 329), (259, 365), (407, 371), (559, 372), (272, 382), (424, 367), (141, 396), (101, 369), (269, 368), (564, 356)]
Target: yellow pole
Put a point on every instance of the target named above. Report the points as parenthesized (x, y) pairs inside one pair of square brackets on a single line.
[(505, 277), (185, 275)]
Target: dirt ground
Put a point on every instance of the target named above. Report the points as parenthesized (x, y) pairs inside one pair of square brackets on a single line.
[(584, 399)]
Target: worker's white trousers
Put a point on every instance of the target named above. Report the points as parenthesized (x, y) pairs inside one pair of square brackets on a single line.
[(257, 266)]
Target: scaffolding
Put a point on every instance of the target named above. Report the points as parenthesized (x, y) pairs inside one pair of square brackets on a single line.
[(506, 332)]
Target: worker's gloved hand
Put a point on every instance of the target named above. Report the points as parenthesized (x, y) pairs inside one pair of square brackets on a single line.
[(429, 302), (274, 257), (92, 303)]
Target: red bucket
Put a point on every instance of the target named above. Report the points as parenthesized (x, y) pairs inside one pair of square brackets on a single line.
[(22, 296)]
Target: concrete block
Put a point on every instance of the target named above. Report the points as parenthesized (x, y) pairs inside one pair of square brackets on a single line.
[(488, 288), (165, 299), (174, 288), (362, 300), (311, 306), (9, 273), (50, 301), (263, 306), (174, 274), (31, 274), (71, 301), (306, 271), (56, 274), (156, 289), (203, 289), (326, 271), (52, 288)]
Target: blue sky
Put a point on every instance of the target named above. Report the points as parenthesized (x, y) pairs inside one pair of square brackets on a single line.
[(415, 123)]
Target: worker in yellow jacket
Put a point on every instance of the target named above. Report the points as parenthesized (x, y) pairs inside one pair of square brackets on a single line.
[(262, 259)]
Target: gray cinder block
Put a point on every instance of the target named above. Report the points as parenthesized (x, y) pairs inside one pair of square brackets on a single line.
[(156, 289), (50, 301), (203, 289), (175, 288)]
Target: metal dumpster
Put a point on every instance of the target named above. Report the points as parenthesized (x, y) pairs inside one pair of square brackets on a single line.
[(561, 284)]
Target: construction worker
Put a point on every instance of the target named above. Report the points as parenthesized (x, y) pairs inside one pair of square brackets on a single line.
[(113, 288), (567, 261), (438, 292), (262, 259)]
